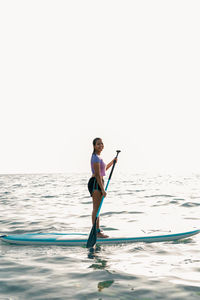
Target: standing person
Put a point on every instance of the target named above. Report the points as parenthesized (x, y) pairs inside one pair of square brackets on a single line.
[(96, 182)]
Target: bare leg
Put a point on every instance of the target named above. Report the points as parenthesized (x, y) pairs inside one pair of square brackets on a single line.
[(96, 197)]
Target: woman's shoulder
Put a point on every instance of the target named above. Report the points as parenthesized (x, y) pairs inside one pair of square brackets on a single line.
[(95, 158)]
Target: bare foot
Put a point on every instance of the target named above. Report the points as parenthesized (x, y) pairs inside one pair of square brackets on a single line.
[(102, 235)]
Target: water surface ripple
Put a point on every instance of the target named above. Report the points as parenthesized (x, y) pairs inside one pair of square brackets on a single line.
[(136, 204)]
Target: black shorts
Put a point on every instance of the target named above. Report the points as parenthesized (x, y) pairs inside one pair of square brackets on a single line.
[(93, 185)]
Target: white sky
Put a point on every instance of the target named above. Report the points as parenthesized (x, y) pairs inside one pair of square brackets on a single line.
[(127, 71)]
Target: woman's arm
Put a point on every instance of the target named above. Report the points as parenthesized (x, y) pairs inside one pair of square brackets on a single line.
[(111, 163), (97, 173)]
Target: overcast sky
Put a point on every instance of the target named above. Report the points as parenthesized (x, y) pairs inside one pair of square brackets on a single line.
[(127, 71)]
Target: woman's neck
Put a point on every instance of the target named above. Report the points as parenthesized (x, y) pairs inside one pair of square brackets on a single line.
[(97, 153)]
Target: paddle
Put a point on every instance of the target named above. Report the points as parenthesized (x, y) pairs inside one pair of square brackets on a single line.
[(93, 233)]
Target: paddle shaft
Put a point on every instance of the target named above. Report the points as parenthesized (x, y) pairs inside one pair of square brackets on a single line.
[(98, 212)]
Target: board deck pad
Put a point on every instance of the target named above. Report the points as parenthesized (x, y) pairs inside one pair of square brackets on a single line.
[(80, 239)]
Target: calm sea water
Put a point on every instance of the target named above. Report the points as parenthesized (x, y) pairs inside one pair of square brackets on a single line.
[(137, 203)]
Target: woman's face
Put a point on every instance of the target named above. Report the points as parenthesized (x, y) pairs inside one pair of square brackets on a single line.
[(98, 146)]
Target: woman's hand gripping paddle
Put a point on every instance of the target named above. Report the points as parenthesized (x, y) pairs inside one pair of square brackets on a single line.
[(93, 233)]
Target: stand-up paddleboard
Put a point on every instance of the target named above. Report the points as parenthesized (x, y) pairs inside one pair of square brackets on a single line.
[(80, 239)]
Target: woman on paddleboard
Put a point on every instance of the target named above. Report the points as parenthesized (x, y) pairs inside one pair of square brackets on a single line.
[(96, 182)]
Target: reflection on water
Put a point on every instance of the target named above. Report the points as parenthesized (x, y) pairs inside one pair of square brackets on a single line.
[(98, 262), (93, 252), (104, 284)]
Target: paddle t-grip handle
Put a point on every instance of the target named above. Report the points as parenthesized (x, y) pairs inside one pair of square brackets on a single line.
[(118, 151)]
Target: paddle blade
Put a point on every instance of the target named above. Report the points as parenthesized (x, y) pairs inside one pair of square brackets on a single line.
[(93, 236)]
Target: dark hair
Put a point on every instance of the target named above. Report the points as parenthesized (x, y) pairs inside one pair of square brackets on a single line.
[(94, 143)]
